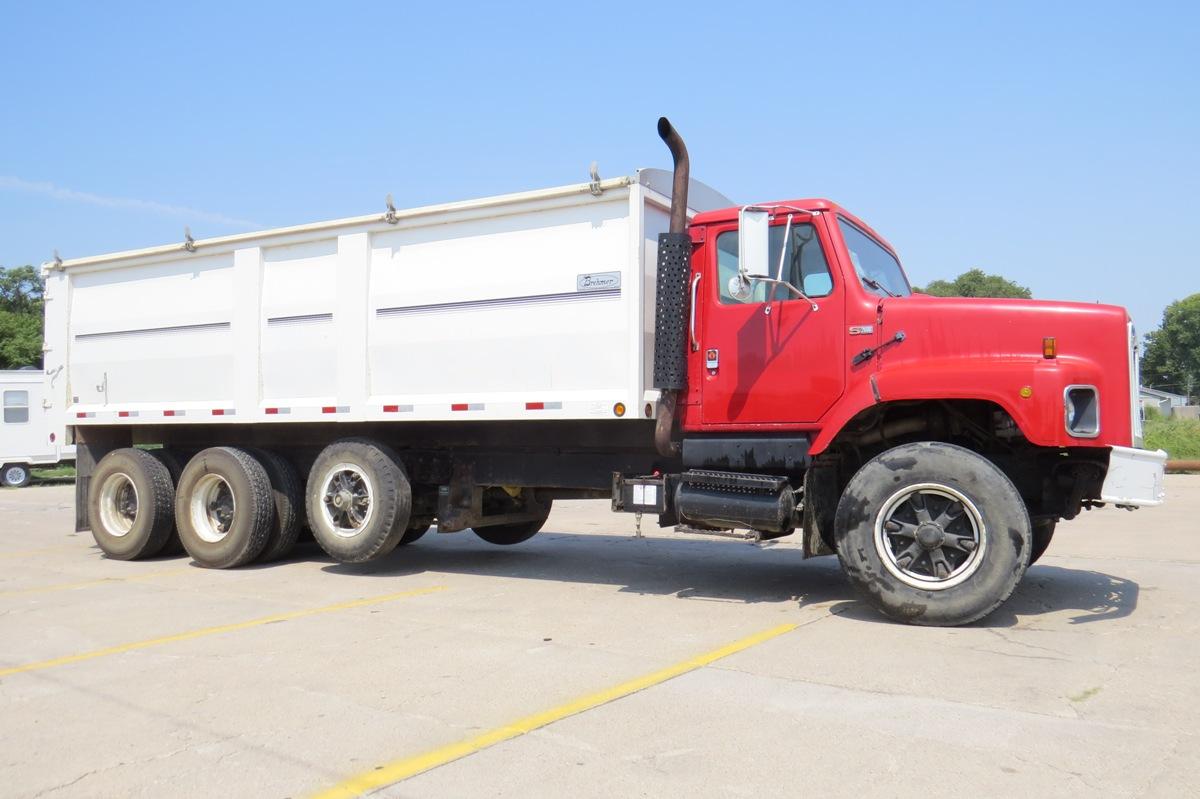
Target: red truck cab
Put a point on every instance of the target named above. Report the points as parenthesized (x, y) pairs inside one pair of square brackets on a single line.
[(933, 443)]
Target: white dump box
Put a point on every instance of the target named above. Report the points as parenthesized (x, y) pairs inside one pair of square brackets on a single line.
[(530, 305)]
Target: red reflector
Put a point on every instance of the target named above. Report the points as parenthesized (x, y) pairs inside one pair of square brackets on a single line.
[(168, 413), (535, 406), (459, 406), (122, 414), (329, 409), (271, 411), (391, 408), (218, 412), (81, 416)]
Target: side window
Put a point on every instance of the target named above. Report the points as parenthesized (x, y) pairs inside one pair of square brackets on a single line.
[(804, 265), (16, 407)]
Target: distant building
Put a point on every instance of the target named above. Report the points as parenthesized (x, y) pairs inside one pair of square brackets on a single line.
[(1163, 401)]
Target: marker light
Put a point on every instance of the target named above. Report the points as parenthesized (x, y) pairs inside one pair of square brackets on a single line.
[(619, 409), (1049, 347)]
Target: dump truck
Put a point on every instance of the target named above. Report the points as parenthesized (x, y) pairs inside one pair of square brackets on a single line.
[(759, 370)]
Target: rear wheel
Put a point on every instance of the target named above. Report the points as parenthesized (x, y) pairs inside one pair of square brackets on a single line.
[(174, 463), (933, 534), (288, 494), (224, 508), (1043, 532), (15, 475), (358, 499), (130, 504)]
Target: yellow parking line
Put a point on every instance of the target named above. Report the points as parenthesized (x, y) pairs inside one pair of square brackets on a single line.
[(224, 628), (99, 581), (409, 767)]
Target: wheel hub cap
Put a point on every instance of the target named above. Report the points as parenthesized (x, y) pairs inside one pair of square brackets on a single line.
[(931, 535)]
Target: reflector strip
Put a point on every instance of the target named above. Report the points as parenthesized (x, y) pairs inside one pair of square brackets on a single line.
[(85, 416), (397, 408), (336, 409), (174, 413), (543, 406), (124, 414), (467, 406), (223, 412), (276, 411)]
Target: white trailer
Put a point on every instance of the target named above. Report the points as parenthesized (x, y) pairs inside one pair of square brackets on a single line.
[(31, 429)]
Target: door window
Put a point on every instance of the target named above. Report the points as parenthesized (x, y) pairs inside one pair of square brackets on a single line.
[(16, 407), (804, 265)]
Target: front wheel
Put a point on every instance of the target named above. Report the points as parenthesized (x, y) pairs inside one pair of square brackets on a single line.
[(933, 534)]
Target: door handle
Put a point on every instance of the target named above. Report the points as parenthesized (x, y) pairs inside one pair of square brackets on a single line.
[(692, 322)]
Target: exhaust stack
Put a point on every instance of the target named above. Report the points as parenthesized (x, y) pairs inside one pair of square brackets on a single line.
[(670, 317)]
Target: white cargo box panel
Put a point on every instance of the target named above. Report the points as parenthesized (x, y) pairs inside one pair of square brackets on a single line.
[(531, 305)]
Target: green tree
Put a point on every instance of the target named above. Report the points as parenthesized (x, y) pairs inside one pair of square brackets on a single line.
[(20, 317), (977, 283), (1171, 358)]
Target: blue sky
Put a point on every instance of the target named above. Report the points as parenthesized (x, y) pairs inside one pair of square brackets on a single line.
[(1057, 144)]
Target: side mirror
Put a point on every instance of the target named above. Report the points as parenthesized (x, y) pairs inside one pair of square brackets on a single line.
[(754, 243)]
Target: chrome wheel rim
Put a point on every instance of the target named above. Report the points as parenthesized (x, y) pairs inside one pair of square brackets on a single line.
[(930, 536), (14, 475), (212, 508), (347, 499), (118, 504)]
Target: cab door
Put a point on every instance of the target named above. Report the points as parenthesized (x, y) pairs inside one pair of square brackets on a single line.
[(771, 360)]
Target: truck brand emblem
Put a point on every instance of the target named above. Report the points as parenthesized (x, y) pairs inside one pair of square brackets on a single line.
[(862, 330), (598, 281)]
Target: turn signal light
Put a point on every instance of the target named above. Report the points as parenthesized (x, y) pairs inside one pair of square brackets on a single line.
[(1049, 347)]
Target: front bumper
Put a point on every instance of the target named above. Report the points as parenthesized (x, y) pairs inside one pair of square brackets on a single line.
[(1135, 477)]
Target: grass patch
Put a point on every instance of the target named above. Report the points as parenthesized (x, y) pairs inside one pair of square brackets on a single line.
[(56, 473), (1179, 437)]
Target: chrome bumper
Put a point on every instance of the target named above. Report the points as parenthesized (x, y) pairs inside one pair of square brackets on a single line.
[(1135, 477)]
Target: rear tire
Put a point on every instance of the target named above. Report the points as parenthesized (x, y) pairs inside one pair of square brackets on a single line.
[(1043, 532), (507, 535), (933, 534), (224, 508), (174, 463), (15, 475), (358, 500), (131, 504), (288, 494)]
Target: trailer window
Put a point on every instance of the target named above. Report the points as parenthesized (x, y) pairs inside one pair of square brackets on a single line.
[(16, 407), (804, 265), (873, 262)]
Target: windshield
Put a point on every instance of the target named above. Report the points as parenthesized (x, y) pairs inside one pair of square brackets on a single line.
[(877, 268)]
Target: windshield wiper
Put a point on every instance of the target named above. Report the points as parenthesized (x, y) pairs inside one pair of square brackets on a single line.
[(875, 284)]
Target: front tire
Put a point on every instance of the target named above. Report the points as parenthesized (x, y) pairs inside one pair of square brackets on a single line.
[(223, 508), (15, 475), (507, 535), (131, 505), (933, 534), (358, 499)]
